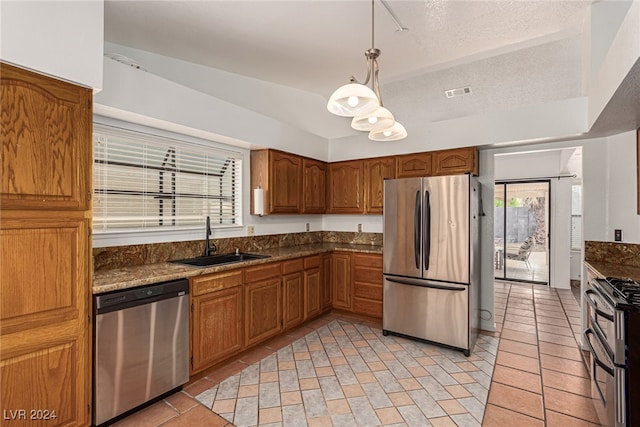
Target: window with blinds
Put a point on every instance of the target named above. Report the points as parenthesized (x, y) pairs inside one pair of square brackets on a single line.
[(144, 182)]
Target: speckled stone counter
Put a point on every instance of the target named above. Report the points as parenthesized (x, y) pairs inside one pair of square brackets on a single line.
[(106, 280), (613, 259)]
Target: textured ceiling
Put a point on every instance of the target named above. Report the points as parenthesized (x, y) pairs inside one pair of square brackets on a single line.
[(512, 53)]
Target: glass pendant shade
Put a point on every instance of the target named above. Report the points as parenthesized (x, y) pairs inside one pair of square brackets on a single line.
[(379, 119), (353, 99), (394, 133)]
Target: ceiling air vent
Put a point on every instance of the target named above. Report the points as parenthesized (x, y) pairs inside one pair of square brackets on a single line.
[(452, 93)]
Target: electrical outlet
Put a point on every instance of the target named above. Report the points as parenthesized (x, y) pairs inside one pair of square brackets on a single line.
[(617, 235), (250, 230), (307, 226), (359, 228)]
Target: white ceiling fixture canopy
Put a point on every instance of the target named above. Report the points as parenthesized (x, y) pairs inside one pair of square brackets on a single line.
[(355, 100)]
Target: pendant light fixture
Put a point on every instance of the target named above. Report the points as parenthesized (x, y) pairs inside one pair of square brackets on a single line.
[(365, 105)]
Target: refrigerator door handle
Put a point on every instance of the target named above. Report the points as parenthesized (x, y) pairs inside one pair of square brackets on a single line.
[(427, 230), (429, 285), (417, 214)]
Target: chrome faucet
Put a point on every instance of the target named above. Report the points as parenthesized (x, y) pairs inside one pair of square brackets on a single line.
[(209, 248)]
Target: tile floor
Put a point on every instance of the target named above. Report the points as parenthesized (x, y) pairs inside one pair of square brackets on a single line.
[(341, 371)]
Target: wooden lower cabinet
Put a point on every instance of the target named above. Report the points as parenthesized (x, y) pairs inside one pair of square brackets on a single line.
[(45, 337), (341, 280), (312, 305), (367, 284), (216, 318), (262, 303), (292, 293)]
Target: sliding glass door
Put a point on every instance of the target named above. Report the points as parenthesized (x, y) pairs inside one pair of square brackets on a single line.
[(521, 231)]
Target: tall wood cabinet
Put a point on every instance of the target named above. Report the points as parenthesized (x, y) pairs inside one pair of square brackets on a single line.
[(375, 172), (345, 187), (314, 183), (45, 262)]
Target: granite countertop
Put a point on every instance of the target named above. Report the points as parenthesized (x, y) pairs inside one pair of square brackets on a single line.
[(129, 277), (608, 269)]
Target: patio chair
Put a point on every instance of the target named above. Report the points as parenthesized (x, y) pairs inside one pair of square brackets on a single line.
[(523, 252)]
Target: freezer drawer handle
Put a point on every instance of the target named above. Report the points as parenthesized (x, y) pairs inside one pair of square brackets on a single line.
[(430, 285), (417, 214)]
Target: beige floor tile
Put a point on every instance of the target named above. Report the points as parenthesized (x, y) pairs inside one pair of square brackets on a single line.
[(352, 390), (224, 406), (309, 383), (523, 349), (366, 377), (320, 422), (463, 378), (566, 366), (425, 361), (410, 384), (570, 404), (248, 390), (338, 360), (457, 391), (338, 407), (496, 416), (387, 356), (452, 407), (350, 352), (517, 400), (270, 415), (303, 355), (389, 416), (517, 378), (285, 365), (197, 416), (152, 416), (418, 371), (290, 398), (556, 419), (377, 366), (442, 422), (324, 371), (517, 361), (268, 377), (566, 382), (181, 401), (400, 398)]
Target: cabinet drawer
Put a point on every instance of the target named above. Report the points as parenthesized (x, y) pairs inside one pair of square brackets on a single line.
[(292, 266), (261, 272), (216, 282), (368, 275), (366, 290), (312, 262), (367, 260)]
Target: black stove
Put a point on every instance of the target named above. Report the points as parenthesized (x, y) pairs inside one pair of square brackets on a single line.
[(627, 290)]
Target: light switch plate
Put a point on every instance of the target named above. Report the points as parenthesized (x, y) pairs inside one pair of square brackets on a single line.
[(250, 230), (617, 235)]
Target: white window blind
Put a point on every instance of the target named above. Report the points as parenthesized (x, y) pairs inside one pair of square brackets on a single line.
[(148, 182)]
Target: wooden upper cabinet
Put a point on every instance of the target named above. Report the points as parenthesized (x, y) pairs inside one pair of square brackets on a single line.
[(456, 161), (286, 183), (414, 165), (45, 129), (314, 182), (280, 175), (375, 172), (345, 188)]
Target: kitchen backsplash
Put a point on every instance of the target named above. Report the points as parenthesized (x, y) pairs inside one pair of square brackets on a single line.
[(612, 252), (134, 255)]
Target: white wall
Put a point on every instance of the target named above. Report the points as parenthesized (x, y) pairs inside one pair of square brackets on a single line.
[(63, 39)]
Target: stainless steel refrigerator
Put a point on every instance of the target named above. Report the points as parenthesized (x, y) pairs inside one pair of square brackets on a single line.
[(431, 269)]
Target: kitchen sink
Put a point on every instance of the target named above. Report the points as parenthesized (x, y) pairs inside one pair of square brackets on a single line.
[(206, 261)]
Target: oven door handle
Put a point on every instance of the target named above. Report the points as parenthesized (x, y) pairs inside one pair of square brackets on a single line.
[(586, 334), (593, 305)]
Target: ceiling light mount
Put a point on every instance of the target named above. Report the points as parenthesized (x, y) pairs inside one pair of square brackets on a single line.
[(365, 105)]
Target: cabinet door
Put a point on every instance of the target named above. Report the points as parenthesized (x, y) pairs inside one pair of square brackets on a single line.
[(293, 303), (262, 310), (375, 172), (457, 161), (216, 327), (414, 165), (44, 313), (314, 193), (286, 182), (46, 142), (325, 282), (346, 180), (341, 280), (312, 305), (367, 284)]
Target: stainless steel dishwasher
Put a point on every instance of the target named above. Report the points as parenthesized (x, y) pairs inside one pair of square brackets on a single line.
[(141, 347)]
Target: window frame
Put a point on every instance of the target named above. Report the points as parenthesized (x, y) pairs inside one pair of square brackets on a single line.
[(111, 237)]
